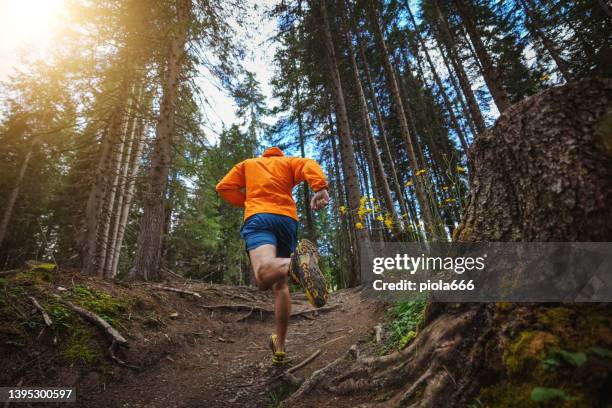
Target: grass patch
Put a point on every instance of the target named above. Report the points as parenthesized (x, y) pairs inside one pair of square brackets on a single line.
[(401, 324), (81, 346), (104, 305)]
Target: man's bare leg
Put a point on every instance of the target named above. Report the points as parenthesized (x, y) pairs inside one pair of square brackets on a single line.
[(272, 272), (268, 269), (282, 311)]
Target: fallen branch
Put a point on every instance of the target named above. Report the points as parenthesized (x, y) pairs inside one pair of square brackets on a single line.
[(304, 362), (287, 375), (109, 330), (177, 290), (42, 311)]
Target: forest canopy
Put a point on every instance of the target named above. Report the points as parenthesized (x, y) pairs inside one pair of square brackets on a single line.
[(109, 163)]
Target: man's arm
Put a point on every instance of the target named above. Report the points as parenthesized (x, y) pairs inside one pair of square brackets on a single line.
[(309, 170), (231, 186)]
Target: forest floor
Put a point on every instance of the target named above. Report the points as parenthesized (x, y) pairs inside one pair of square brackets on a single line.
[(185, 351)]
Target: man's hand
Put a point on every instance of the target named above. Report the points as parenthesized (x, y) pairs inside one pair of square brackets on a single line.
[(319, 199)]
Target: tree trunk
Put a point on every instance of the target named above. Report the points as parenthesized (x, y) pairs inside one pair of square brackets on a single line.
[(464, 82), (10, 205), (310, 228), (535, 24), (527, 185), (441, 89), (469, 118), (147, 261), (129, 195), (347, 153), (382, 133), (371, 149), (97, 194), (103, 246), (347, 221), (400, 111), (126, 164), (490, 73)]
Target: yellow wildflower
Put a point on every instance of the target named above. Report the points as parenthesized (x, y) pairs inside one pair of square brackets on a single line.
[(445, 188), (379, 218), (376, 208), (361, 212), (450, 200), (342, 209), (545, 77), (373, 200), (408, 183), (359, 225), (363, 200), (460, 169), (419, 172), (388, 221)]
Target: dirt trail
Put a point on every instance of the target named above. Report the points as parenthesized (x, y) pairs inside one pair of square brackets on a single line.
[(219, 357)]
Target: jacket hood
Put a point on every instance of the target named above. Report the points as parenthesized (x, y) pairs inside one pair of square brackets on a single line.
[(273, 151)]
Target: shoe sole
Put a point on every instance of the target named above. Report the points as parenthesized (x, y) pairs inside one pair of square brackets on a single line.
[(313, 281)]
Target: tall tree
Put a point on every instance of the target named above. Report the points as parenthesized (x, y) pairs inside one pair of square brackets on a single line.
[(424, 204), (489, 70), (344, 132), (147, 260)]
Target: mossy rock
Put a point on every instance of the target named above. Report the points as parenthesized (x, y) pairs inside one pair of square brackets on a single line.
[(527, 350)]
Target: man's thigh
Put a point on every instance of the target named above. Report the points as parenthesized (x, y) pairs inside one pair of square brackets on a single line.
[(261, 256)]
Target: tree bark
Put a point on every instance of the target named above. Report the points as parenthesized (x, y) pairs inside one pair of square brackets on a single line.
[(10, 205), (490, 73), (103, 246), (93, 225), (129, 196), (124, 182), (147, 261), (352, 251), (428, 218)]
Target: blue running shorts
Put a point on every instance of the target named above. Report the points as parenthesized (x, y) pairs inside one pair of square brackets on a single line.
[(275, 229)]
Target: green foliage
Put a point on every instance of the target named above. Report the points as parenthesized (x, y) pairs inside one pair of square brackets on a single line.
[(403, 320), (541, 394), (104, 305), (81, 347)]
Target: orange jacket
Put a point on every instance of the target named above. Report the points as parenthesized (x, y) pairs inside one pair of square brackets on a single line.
[(265, 184)]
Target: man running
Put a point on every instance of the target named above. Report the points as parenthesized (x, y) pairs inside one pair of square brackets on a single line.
[(264, 187)]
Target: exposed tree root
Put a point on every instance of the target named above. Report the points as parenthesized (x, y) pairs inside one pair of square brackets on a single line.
[(422, 369), (112, 333), (42, 311), (177, 290), (251, 309)]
